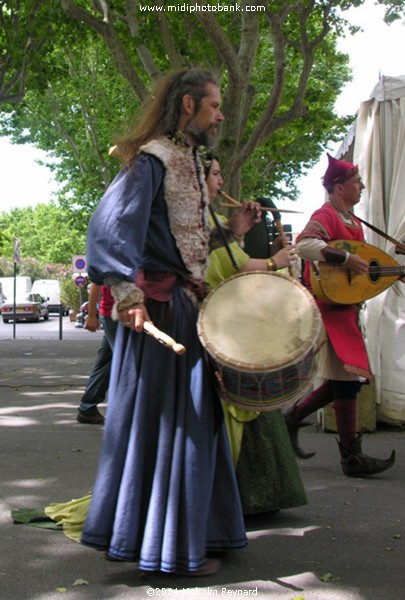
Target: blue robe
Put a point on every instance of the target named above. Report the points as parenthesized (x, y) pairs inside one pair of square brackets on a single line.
[(165, 490)]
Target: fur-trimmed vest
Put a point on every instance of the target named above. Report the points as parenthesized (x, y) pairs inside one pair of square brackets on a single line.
[(186, 199)]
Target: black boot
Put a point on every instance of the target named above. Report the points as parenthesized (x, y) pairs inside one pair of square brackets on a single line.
[(293, 425), (356, 464)]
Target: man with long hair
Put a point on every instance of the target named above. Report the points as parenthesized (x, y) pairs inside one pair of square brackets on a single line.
[(165, 495)]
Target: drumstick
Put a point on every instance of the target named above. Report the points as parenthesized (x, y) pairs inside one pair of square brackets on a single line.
[(163, 338), (232, 203)]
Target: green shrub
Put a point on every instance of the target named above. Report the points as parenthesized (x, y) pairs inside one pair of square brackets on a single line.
[(70, 293)]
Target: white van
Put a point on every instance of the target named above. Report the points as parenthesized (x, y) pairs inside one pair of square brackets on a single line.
[(50, 290), (23, 287)]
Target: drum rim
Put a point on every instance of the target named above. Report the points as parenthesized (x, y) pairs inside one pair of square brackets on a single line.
[(243, 367)]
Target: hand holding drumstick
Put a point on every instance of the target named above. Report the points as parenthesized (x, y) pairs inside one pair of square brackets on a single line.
[(137, 318)]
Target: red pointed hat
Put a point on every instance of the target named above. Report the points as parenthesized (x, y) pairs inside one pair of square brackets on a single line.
[(338, 171)]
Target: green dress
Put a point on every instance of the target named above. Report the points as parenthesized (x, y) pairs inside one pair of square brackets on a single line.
[(266, 468)]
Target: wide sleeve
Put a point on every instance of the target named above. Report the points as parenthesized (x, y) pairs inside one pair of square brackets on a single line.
[(311, 248), (118, 227), (220, 266)]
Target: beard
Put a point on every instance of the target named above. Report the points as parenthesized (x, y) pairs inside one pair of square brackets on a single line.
[(204, 137)]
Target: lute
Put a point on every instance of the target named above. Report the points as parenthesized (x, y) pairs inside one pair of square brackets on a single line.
[(336, 284)]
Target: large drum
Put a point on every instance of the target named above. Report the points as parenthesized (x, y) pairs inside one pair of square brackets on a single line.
[(262, 330)]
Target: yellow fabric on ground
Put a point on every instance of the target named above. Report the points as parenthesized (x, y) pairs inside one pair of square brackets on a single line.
[(70, 516)]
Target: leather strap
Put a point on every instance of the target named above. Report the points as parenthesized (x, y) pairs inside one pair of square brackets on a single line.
[(382, 233), (223, 238)]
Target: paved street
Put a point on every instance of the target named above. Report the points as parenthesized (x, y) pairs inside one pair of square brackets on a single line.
[(54, 329), (346, 544)]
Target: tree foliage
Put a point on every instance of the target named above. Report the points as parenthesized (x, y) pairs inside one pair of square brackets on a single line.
[(280, 71), (395, 10), (28, 29), (72, 121), (46, 232)]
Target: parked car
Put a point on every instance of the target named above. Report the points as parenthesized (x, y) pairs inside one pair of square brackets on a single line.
[(30, 307)]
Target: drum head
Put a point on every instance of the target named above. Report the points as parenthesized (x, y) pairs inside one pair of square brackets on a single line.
[(259, 322)]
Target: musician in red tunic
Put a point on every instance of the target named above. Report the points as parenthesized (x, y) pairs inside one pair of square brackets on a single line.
[(343, 362)]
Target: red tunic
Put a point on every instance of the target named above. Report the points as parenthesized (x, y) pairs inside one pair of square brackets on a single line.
[(106, 302), (341, 321)]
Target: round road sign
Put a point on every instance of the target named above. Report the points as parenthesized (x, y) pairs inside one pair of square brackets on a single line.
[(80, 263), (80, 281)]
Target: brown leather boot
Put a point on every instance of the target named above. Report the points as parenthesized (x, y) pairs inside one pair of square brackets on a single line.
[(356, 464)]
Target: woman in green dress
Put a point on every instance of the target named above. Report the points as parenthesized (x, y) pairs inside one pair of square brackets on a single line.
[(266, 468)]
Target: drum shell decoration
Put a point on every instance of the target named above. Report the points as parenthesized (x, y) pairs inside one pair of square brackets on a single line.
[(263, 331)]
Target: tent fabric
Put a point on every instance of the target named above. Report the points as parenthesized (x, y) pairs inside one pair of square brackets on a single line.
[(379, 151), (389, 88)]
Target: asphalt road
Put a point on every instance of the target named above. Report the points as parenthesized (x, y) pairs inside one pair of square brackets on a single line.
[(53, 329), (347, 543)]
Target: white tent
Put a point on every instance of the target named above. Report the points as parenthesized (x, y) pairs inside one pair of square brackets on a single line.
[(378, 141)]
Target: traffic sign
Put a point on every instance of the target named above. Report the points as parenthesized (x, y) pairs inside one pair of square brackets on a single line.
[(80, 281), (79, 263)]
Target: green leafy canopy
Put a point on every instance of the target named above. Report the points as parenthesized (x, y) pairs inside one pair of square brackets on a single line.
[(74, 72)]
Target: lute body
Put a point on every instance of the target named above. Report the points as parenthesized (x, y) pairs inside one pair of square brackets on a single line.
[(335, 284)]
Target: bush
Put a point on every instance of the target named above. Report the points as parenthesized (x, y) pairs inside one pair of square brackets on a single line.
[(31, 267), (6, 267), (70, 293)]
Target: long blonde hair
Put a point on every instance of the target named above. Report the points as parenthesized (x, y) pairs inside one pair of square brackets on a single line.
[(162, 111)]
